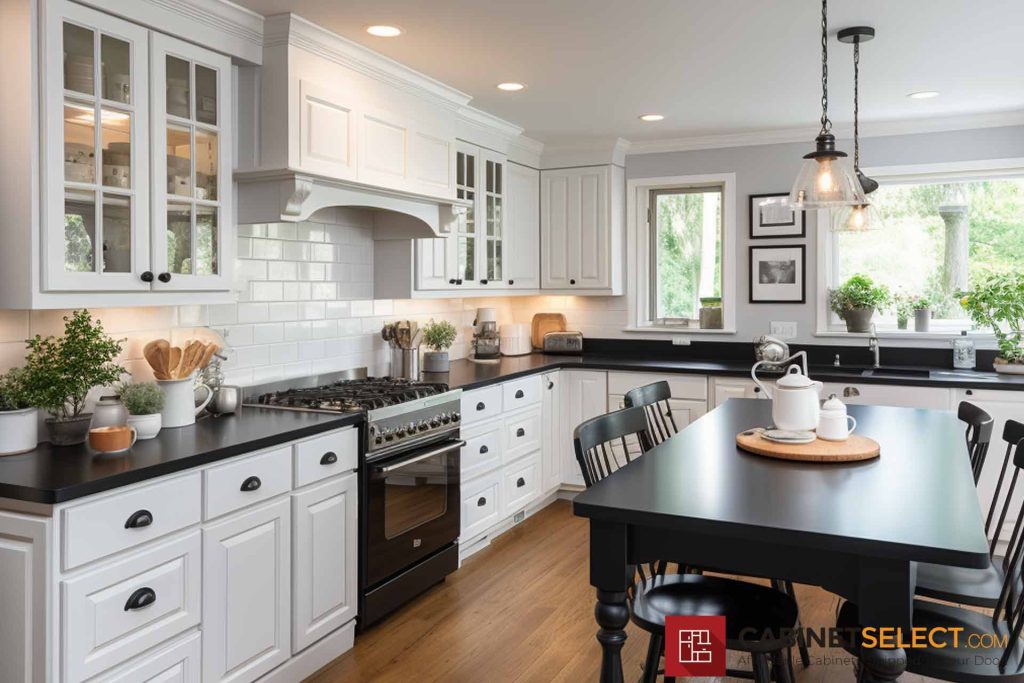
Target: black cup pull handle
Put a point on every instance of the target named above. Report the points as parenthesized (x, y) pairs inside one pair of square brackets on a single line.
[(520, 432), (164, 277), (520, 483), (551, 385), (251, 484), (480, 405), (520, 394), (483, 449), (146, 276), (139, 519), (330, 457), (511, 282), (140, 598), (481, 501), (970, 392)]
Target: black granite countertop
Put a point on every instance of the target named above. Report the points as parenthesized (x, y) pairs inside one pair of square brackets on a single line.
[(468, 375), (55, 474)]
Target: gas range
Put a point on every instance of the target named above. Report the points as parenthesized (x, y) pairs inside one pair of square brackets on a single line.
[(400, 413)]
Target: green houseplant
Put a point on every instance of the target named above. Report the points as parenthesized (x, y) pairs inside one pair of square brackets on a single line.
[(61, 371), (922, 313), (144, 402), (997, 302), (18, 429), (856, 300), (903, 306), (438, 336)]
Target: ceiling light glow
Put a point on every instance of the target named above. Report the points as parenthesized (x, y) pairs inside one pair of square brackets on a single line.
[(384, 31), (652, 117), (923, 95), (511, 86)]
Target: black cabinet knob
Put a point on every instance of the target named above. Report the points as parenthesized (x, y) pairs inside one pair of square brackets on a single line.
[(459, 281), (520, 432), (511, 282), (481, 501), (330, 457), (969, 392), (452, 281), (251, 484), (139, 519), (520, 483), (551, 385), (483, 282), (146, 276), (140, 598), (519, 393), (572, 282), (757, 390), (164, 277), (483, 449), (480, 405)]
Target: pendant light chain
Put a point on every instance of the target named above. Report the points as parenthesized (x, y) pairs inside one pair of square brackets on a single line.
[(856, 104), (826, 124)]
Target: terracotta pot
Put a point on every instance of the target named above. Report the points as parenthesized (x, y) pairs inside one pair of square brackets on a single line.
[(859, 319), (69, 431)]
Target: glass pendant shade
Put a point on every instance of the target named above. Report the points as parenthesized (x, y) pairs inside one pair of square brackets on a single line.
[(856, 218), (826, 180)]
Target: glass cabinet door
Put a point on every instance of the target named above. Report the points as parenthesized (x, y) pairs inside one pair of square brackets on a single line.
[(192, 170), (465, 234), (493, 200), (96, 235)]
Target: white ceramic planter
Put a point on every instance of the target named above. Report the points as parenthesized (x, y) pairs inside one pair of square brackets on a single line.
[(146, 426), (19, 431), (1000, 365)]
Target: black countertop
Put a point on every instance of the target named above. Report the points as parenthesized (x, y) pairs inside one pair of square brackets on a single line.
[(468, 375), (55, 474)]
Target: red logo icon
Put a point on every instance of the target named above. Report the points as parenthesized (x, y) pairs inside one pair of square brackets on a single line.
[(695, 646)]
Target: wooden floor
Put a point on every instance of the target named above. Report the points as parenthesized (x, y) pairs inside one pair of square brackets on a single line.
[(522, 610)]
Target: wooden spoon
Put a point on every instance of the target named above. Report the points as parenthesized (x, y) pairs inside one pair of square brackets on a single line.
[(194, 354), (153, 355), (208, 352), (174, 362)]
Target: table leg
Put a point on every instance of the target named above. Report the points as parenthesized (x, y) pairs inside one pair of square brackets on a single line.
[(878, 665), (886, 598), (612, 615), (609, 572)]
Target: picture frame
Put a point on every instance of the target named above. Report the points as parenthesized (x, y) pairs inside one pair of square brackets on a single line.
[(771, 217), (778, 274)]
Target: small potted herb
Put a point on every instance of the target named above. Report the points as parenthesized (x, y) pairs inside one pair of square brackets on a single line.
[(438, 336), (61, 371), (922, 313), (903, 307), (856, 300), (18, 428), (144, 402), (997, 302)]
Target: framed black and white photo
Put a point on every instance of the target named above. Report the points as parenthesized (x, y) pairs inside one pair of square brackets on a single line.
[(777, 274), (772, 216)]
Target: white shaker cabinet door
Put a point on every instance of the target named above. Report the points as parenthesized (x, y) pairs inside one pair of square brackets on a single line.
[(522, 227), (247, 593), (327, 132), (584, 395), (324, 559), (576, 228), (551, 460)]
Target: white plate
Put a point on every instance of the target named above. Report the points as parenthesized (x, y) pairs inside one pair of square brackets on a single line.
[(783, 436)]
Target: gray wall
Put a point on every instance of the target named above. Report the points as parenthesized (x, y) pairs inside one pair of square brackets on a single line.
[(772, 168)]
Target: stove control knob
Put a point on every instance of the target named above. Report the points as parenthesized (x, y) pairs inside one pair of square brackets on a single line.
[(456, 417), (389, 435), (400, 432), (423, 426), (378, 439), (445, 418), (435, 422)]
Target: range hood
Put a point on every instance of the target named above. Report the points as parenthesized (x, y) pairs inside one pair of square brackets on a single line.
[(293, 196)]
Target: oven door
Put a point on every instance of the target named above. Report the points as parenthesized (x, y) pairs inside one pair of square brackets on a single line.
[(412, 507)]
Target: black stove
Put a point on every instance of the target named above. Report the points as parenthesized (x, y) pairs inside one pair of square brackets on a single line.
[(348, 395)]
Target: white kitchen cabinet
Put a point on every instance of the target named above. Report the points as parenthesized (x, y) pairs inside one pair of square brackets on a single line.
[(324, 567), (889, 395), (180, 662), (583, 229), (25, 550), (247, 593), (327, 131), (725, 388), (584, 395), (553, 446), (522, 227)]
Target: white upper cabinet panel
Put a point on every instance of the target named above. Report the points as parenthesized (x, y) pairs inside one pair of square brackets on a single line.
[(385, 150), (522, 227), (431, 161), (327, 132)]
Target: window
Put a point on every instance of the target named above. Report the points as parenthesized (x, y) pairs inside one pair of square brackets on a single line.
[(938, 235), (685, 254)]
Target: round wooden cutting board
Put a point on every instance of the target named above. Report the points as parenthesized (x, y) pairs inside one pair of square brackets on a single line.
[(855, 448)]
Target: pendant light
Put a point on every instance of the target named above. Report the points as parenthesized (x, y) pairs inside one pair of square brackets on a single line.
[(859, 217), (826, 179)]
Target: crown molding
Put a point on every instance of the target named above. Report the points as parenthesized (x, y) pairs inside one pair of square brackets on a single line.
[(805, 134), (294, 31), (586, 153)]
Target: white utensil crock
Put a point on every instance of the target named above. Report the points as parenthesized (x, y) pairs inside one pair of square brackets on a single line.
[(180, 407)]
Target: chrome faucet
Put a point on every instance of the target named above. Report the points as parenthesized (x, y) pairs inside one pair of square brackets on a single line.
[(873, 344)]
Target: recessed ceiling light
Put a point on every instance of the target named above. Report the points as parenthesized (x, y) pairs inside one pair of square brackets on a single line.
[(923, 95), (651, 117), (511, 87), (384, 31)]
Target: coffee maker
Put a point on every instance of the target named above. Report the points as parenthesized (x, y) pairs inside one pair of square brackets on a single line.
[(486, 340)]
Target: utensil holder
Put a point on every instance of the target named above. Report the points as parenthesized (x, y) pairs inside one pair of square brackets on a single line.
[(405, 363)]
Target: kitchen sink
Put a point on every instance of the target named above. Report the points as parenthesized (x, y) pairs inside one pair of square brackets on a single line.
[(896, 372)]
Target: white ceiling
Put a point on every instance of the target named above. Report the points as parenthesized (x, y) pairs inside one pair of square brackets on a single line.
[(710, 66)]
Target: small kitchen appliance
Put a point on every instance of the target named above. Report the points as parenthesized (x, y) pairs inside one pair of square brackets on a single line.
[(515, 339), (563, 342), (486, 340), (772, 354)]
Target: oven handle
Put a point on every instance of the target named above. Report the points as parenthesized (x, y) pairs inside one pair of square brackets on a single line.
[(429, 454)]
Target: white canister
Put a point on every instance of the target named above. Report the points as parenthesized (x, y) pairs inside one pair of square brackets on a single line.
[(19, 431), (833, 422), (180, 408), (515, 339)]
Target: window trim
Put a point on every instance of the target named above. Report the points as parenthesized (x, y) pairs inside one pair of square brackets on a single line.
[(828, 325), (639, 250)]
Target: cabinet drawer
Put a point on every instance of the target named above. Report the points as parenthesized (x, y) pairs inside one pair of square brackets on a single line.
[(246, 481), (117, 522), (481, 404), (327, 455), (118, 611), (178, 663), (520, 393), (481, 504), (482, 452), (522, 435), (683, 386), (522, 484)]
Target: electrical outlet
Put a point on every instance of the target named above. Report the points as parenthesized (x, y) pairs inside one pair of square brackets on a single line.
[(519, 516), (680, 341), (782, 330)]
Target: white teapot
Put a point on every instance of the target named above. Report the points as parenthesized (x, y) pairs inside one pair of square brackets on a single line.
[(795, 400)]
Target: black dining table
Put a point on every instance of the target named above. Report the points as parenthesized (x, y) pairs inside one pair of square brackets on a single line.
[(855, 529)]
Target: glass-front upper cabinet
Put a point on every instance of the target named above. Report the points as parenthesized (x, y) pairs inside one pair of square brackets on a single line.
[(96, 194), (191, 109), (465, 236), (493, 210)]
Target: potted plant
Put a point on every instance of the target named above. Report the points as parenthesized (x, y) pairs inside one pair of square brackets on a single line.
[(61, 371), (438, 336), (997, 302), (922, 313), (856, 300), (144, 402), (903, 307), (18, 429)]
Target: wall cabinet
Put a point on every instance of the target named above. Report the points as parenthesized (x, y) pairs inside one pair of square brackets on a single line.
[(583, 229), (522, 227)]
